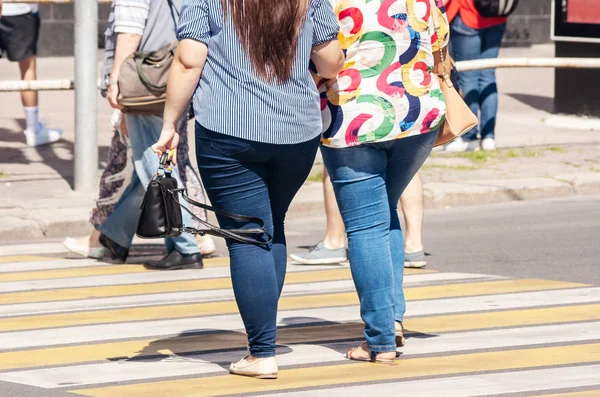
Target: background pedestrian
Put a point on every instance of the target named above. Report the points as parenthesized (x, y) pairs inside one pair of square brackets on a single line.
[(19, 33), (476, 37)]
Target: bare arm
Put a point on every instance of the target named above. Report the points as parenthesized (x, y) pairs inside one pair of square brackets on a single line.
[(127, 44), (328, 58), (183, 78)]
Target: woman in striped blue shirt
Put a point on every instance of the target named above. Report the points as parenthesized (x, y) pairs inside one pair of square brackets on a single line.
[(257, 131)]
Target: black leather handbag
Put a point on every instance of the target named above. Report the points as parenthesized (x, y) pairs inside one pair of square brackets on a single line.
[(162, 213)]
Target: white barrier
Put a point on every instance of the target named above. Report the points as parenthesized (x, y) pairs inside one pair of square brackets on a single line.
[(463, 66), (556, 63), (37, 85)]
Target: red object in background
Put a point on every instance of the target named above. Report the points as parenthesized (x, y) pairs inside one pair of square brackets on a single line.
[(583, 11)]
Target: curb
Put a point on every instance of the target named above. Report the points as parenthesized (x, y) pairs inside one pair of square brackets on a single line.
[(309, 203)]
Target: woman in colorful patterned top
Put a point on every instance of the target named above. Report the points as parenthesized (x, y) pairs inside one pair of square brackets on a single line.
[(380, 120)]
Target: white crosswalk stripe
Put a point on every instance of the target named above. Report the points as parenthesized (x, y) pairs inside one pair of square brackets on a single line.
[(527, 336), (23, 309), (202, 364)]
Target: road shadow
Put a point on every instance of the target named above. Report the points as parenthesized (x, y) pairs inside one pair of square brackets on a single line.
[(222, 347), (47, 153), (542, 103)]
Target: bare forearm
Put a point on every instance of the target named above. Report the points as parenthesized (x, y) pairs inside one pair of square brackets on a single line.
[(183, 79), (180, 88), (127, 44)]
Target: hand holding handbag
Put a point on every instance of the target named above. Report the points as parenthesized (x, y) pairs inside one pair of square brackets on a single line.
[(459, 118), (162, 217)]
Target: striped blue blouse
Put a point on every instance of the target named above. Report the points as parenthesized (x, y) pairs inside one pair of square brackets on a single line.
[(232, 100)]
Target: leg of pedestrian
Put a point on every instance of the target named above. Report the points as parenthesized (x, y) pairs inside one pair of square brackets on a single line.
[(113, 182), (412, 205), (20, 33), (466, 45), (488, 89), (286, 176), (403, 180), (332, 249), (363, 201), (182, 251), (193, 185)]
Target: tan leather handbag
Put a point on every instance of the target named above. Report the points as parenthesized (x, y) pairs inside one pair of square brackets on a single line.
[(459, 118)]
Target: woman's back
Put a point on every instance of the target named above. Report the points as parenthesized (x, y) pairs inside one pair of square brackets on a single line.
[(387, 90), (233, 99)]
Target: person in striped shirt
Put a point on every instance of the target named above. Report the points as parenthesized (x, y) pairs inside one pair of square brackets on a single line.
[(257, 131)]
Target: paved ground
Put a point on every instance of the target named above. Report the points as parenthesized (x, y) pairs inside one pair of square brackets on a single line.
[(509, 306)]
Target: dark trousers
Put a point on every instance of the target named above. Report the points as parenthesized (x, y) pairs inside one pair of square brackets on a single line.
[(260, 180)]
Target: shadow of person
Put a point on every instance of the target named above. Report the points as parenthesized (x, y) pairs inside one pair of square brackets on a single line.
[(214, 346), (10, 135), (58, 155), (189, 343), (222, 347)]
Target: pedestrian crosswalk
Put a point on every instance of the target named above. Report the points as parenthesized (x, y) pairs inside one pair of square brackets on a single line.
[(93, 329)]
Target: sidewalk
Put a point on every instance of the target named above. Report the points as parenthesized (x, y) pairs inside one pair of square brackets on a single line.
[(543, 155)]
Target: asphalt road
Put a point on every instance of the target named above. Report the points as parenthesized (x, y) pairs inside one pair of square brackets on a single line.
[(53, 355), (557, 239)]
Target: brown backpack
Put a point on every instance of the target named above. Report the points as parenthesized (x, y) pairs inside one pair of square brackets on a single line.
[(144, 75)]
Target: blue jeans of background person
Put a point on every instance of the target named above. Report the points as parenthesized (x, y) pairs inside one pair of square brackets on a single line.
[(122, 224), (479, 87), (368, 180), (260, 180)]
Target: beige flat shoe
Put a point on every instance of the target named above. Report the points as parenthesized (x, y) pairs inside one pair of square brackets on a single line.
[(74, 246), (260, 368), (206, 244)]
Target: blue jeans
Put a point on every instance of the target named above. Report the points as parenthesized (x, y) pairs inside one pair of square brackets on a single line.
[(479, 87), (368, 181), (260, 180), (122, 224)]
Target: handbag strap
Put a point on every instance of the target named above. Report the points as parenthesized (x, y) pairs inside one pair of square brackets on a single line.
[(235, 234), (437, 28), (164, 167)]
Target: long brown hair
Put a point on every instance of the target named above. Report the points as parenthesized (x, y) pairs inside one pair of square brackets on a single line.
[(268, 31)]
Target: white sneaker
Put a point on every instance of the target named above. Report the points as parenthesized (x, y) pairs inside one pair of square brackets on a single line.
[(460, 145), (261, 368), (457, 145), (488, 144), (42, 136)]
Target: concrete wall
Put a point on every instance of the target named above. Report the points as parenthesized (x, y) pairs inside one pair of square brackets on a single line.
[(530, 24), (56, 38)]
